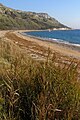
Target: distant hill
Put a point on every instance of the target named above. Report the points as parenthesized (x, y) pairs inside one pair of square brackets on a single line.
[(17, 19)]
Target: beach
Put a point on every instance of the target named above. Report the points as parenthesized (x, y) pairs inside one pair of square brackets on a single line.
[(34, 64), (38, 47)]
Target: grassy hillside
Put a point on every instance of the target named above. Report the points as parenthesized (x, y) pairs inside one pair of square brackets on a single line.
[(15, 19), (36, 90)]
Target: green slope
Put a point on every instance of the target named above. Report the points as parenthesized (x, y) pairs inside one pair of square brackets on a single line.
[(15, 19)]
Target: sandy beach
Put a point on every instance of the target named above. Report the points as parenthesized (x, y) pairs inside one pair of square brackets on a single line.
[(37, 47)]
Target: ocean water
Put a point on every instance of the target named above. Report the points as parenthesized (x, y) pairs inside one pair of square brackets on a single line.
[(63, 36)]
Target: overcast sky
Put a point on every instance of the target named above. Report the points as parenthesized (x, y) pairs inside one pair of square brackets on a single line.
[(65, 11)]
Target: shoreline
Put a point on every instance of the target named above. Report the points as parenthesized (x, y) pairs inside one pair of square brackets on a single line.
[(64, 49), (70, 50), (61, 48), (54, 41)]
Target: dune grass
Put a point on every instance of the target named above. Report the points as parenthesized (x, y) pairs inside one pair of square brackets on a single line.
[(36, 90)]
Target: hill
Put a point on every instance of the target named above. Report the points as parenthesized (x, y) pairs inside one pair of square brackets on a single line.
[(16, 19)]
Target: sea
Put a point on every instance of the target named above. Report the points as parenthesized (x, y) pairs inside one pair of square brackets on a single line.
[(71, 37)]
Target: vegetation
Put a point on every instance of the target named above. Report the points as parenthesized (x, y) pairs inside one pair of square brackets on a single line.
[(36, 90), (15, 19)]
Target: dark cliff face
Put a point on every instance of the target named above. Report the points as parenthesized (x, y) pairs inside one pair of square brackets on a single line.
[(16, 19)]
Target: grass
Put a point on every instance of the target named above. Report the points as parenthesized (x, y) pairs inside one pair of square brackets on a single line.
[(36, 90)]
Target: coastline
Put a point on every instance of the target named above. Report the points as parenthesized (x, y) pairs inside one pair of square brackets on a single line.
[(55, 41), (36, 44), (69, 50)]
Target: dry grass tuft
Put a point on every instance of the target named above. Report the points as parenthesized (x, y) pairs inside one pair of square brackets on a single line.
[(37, 90)]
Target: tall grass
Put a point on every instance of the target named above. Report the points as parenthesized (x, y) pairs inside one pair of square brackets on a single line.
[(36, 90)]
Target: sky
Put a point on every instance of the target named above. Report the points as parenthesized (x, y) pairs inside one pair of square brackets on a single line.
[(65, 11)]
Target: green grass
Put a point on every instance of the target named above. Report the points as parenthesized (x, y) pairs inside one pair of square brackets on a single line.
[(36, 90)]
